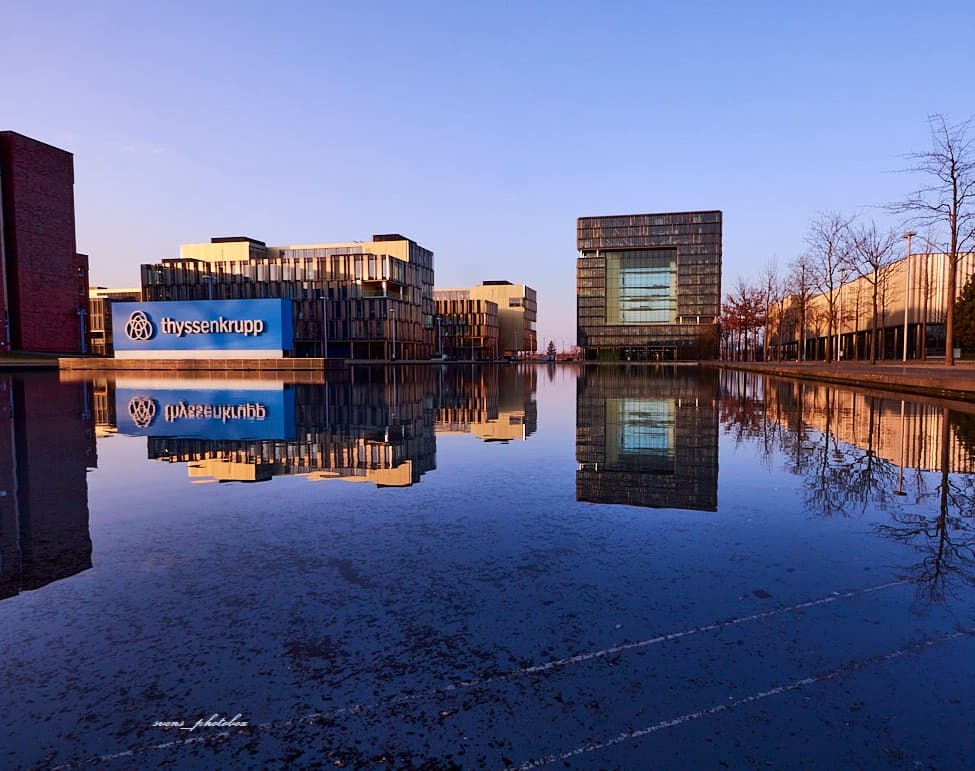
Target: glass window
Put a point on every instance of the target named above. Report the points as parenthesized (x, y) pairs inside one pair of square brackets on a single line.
[(641, 286)]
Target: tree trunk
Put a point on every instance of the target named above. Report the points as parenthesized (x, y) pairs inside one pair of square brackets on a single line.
[(950, 289)]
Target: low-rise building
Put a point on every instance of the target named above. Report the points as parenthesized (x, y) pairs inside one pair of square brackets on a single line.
[(100, 301), (376, 297), (495, 319), (517, 315), (466, 328), (911, 299)]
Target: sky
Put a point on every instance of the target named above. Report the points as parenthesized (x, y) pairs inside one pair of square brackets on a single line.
[(481, 131)]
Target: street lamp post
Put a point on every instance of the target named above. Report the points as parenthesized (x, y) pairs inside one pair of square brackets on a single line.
[(907, 285), (392, 313), (839, 319), (324, 326)]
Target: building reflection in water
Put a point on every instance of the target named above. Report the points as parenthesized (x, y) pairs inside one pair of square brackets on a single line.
[(493, 402), (911, 457), (47, 444), (366, 424), (648, 436)]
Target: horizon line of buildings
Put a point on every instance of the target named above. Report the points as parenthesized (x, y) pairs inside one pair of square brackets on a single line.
[(356, 300), (648, 288)]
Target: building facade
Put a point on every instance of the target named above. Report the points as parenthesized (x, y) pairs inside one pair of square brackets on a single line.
[(376, 297), (466, 328), (43, 279), (517, 315), (911, 306), (100, 301), (493, 320), (649, 286)]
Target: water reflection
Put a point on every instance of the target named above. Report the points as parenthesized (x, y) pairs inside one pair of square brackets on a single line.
[(648, 436), (366, 424), (496, 404), (488, 603), (47, 444), (860, 451), (645, 436)]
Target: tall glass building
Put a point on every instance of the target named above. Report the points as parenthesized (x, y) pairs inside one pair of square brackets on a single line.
[(649, 286)]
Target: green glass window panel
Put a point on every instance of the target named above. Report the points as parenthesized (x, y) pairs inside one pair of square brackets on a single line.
[(640, 434), (641, 286)]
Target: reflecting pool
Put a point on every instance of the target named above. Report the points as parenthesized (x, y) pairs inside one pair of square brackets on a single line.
[(599, 567)]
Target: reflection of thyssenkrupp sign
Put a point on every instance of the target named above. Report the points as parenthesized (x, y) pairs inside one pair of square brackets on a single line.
[(261, 412), (202, 329), (222, 412)]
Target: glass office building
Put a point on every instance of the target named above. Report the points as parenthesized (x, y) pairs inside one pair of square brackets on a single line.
[(649, 286)]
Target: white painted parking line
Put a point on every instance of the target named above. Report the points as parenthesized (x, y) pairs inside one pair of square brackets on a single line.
[(626, 736), (589, 656), (547, 666)]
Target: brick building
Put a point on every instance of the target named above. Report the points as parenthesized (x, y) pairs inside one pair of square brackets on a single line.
[(43, 280)]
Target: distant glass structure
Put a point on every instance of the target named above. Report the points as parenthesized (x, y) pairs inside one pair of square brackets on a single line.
[(649, 286), (648, 437)]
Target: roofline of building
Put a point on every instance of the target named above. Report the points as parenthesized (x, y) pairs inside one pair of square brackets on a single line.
[(36, 141), (236, 240), (650, 214)]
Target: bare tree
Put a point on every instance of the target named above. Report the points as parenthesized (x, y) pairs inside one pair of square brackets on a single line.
[(829, 247), (800, 288), (872, 251), (946, 200), (770, 288)]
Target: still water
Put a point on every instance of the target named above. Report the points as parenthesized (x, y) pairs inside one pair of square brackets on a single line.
[(455, 566)]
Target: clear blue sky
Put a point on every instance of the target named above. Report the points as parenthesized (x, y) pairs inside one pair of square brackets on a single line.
[(481, 131)]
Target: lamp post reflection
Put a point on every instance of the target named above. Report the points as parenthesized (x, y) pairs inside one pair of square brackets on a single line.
[(900, 469)]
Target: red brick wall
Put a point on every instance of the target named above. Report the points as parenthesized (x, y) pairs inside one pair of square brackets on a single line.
[(44, 288)]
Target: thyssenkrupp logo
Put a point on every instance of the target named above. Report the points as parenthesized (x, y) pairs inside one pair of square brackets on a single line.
[(139, 326)]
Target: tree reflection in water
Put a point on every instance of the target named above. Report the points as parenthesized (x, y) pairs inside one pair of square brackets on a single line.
[(946, 541), (858, 452)]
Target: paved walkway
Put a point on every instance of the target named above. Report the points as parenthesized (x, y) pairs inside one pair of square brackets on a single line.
[(926, 377)]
